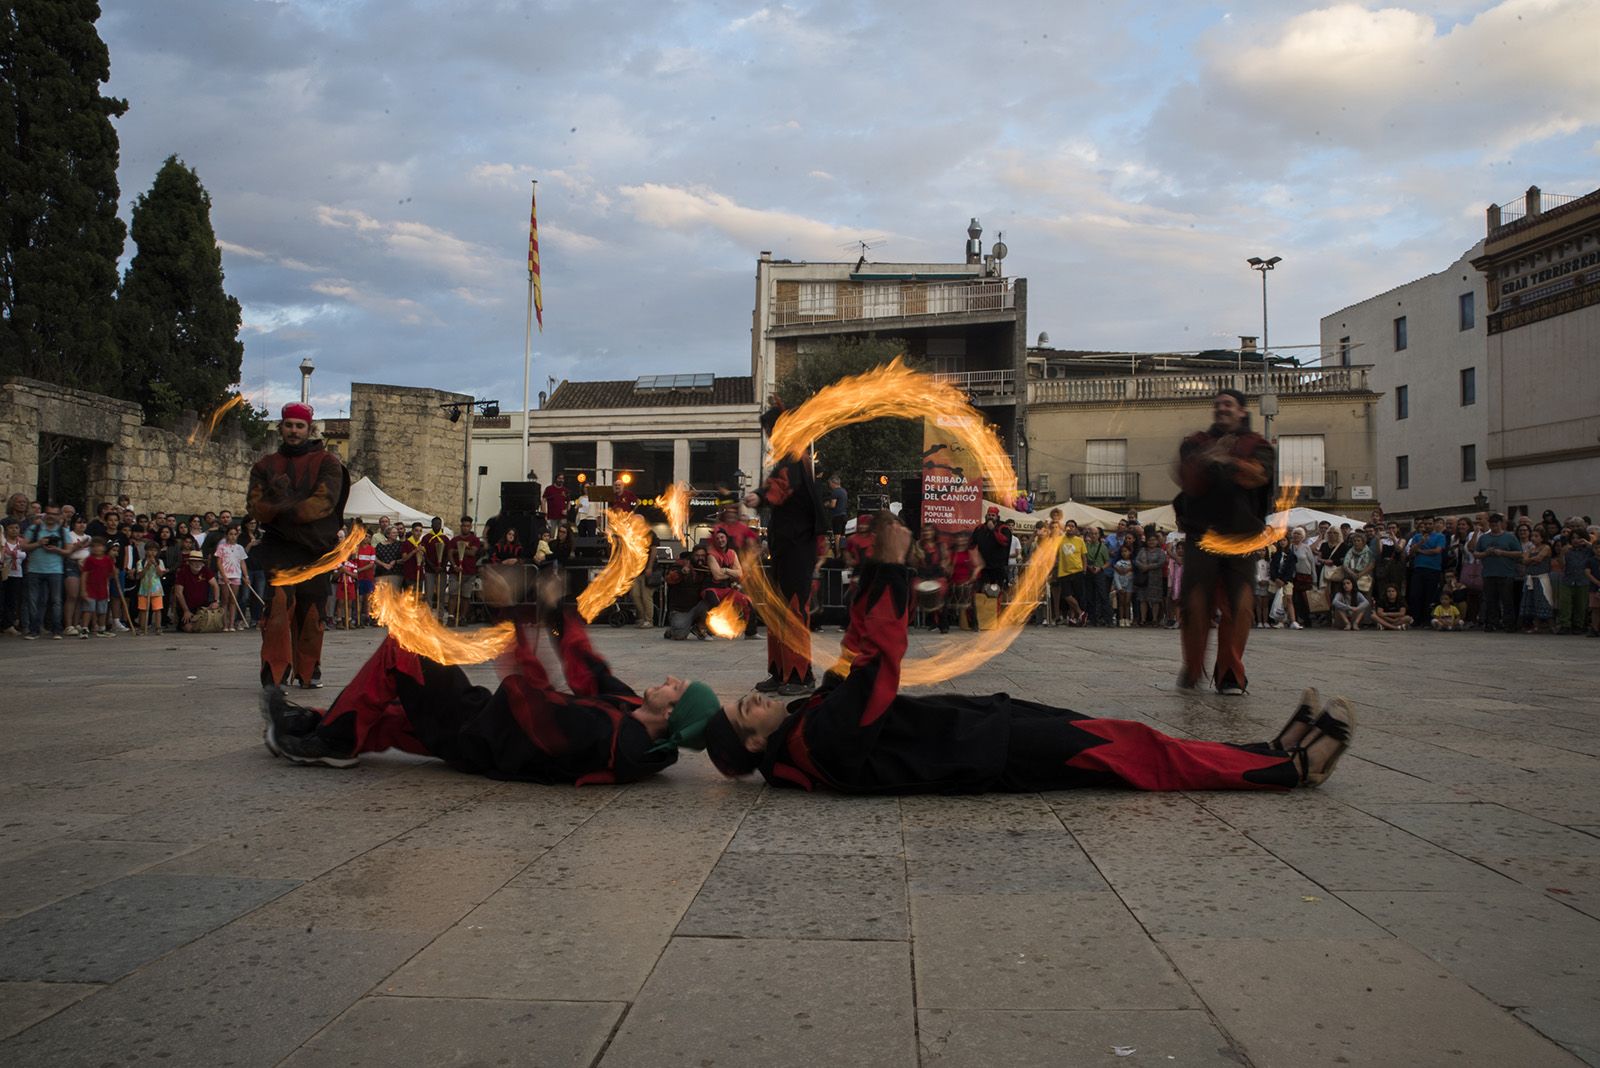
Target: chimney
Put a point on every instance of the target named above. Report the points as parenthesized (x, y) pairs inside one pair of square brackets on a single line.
[(1531, 200), (1247, 343), (541, 398), (974, 245), (1494, 218)]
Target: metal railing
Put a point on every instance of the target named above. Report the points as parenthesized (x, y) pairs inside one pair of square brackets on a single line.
[(1194, 386), (1105, 486), (981, 383), (864, 301)]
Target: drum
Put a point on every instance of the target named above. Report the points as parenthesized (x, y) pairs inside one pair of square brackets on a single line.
[(930, 594)]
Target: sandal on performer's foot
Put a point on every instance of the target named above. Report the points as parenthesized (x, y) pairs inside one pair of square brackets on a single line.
[(1330, 737), (1301, 723)]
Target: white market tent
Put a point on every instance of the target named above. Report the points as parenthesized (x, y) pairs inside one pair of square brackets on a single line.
[(1310, 517), (369, 504), (1164, 517), (1079, 513)]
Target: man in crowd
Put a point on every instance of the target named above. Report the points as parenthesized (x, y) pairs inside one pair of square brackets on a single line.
[(465, 549), (45, 542), (555, 501), (435, 563), (602, 731), (194, 587), (685, 584), (1500, 552), (297, 495), (623, 499), (1427, 572), (795, 531), (859, 734), (838, 506), (992, 541), (1071, 596), (1225, 486)]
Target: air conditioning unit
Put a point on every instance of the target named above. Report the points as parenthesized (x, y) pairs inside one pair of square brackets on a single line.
[(1316, 493)]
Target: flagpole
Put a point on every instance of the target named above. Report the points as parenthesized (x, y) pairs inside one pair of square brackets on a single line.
[(527, 364)]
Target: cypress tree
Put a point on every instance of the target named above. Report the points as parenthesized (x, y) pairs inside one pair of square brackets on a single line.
[(58, 195), (177, 329)]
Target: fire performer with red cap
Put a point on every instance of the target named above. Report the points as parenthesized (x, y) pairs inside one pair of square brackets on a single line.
[(297, 494)]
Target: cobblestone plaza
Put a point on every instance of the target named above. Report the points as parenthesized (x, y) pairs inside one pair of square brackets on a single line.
[(170, 893)]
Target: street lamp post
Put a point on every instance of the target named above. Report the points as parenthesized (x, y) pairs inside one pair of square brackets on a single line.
[(1269, 399)]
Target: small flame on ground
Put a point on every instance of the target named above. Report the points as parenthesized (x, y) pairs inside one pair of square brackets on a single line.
[(1245, 544), (630, 552), (895, 391), (413, 625), (675, 503), (329, 561), (725, 620), (201, 436)]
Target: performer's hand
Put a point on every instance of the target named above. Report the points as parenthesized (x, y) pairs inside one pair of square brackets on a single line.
[(549, 593), (891, 540), (751, 500), (496, 590)]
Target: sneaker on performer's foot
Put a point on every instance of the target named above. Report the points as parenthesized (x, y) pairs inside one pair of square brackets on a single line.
[(770, 684), (795, 689), (312, 749), (1230, 686)]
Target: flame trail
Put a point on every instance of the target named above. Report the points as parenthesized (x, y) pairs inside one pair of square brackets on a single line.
[(951, 657), (198, 436), (675, 503), (630, 552), (327, 562), (1245, 544), (725, 620), (413, 625), (896, 391)]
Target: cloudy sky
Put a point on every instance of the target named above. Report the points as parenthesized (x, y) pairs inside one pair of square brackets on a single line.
[(369, 162)]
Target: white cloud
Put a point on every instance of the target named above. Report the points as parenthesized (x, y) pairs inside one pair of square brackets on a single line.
[(698, 210), (416, 242), (407, 311)]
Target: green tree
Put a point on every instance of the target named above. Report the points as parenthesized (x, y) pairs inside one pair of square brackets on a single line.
[(887, 445), (58, 195), (177, 329)]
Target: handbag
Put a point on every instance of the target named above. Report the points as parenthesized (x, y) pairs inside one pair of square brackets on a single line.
[(1317, 600), (1364, 583), (1332, 573)]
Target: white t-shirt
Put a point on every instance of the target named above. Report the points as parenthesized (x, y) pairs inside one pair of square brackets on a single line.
[(230, 556)]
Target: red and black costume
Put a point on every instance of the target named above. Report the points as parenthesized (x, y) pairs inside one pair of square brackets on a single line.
[(1231, 496), (526, 729), (297, 495), (859, 734), (795, 531)]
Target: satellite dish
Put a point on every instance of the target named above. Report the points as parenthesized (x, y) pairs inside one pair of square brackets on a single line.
[(998, 249)]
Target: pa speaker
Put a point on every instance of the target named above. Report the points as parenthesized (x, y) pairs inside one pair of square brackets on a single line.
[(911, 503), (519, 497)]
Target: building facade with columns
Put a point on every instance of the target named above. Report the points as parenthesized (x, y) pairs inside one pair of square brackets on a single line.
[(702, 429)]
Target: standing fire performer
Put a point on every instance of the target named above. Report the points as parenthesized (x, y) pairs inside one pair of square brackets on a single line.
[(527, 729), (297, 495), (859, 734), (1225, 487), (794, 536)]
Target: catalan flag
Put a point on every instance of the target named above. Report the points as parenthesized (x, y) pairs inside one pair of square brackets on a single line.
[(533, 257)]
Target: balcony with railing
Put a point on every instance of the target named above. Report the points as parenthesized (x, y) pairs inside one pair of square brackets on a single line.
[(838, 303), (980, 384), (1116, 486), (1125, 389), (1528, 208)]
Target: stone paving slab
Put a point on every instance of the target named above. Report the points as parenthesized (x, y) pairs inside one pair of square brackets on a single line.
[(103, 934), (967, 1038), (1449, 866), (461, 1033), (798, 1005)]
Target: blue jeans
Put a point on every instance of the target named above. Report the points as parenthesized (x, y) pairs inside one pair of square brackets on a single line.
[(44, 593)]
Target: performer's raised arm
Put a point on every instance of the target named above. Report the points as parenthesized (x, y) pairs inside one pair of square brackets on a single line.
[(875, 641)]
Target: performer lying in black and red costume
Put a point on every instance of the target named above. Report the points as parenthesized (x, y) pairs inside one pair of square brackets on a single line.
[(527, 729), (859, 734)]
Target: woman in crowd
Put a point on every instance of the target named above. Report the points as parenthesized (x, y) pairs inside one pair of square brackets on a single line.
[(1390, 613), (1350, 605), (1524, 533), (1361, 563), (1330, 564), (563, 546), (1305, 577), (1281, 565), (1174, 583), (76, 542), (1150, 581), (1538, 596), (509, 550)]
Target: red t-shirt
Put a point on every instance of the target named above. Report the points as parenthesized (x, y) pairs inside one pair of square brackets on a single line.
[(97, 572), (196, 586), (366, 563), (467, 548)]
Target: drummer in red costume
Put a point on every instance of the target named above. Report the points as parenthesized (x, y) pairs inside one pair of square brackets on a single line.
[(297, 495)]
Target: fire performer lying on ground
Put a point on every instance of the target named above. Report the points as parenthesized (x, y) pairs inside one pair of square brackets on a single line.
[(527, 729), (858, 734)]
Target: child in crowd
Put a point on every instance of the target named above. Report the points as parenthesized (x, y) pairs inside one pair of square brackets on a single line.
[(344, 594), (231, 576), (1446, 616), (151, 571), (1458, 595), (366, 577), (97, 570), (1263, 589), (1391, 611), (1122, 583)]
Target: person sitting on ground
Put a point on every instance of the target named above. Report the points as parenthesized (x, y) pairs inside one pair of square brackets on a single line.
[(1390, 612), (193, 588), (685, 582), (1350, 605), (859, 734), (602, 731), (1446, 614)]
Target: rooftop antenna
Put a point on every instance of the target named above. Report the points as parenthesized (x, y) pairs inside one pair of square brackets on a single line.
[(865, 244)]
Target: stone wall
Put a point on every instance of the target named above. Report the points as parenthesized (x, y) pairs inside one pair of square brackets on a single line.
[(154, 467), (404, 441)]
